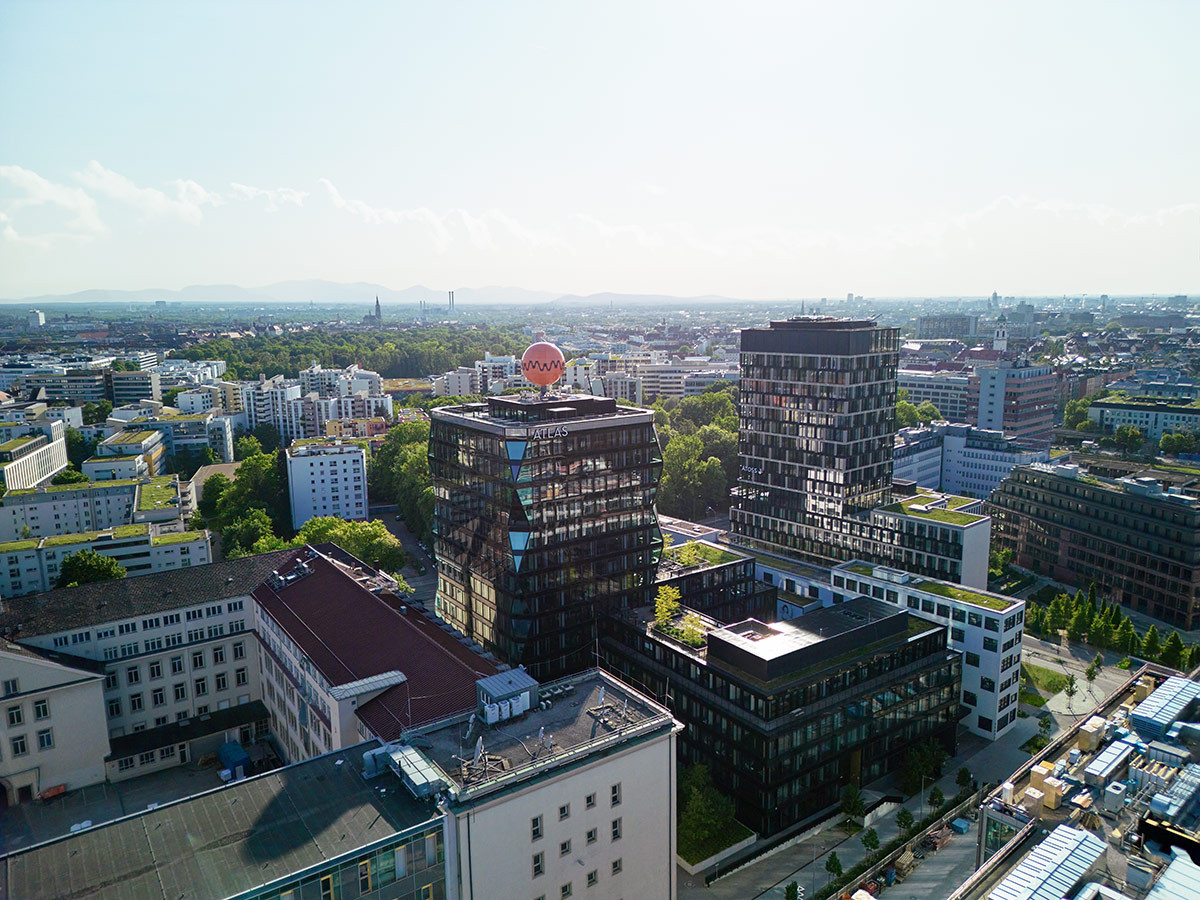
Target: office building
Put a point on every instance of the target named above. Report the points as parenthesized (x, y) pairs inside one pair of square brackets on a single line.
[(1153, 418), (945, 390), (60, 509), (375, 669), (116, 455), (1014, 397), (961, 459), (130, 387), (1139, 544), (30, 460), (786, 714), (985, 628), (35, 320), (947, 326), (77, 385), (327, 478), (818, 412), (544, 520)]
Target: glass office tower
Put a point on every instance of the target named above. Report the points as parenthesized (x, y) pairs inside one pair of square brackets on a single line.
[(544, 521), (818, 419)]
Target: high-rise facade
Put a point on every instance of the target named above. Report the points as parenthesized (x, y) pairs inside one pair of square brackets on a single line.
[(818, 416), (544, 521)]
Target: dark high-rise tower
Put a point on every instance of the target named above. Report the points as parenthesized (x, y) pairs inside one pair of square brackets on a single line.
[(818, 418), (544, 520)]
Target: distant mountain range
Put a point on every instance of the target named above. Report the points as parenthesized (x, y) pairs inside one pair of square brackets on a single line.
[(358, 292)]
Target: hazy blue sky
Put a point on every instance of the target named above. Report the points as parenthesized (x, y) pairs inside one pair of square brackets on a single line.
[(753, 150)]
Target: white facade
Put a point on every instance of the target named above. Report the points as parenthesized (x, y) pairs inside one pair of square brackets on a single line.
[(1153, 420), (945, 390), (74, 508), (36, 319), (462, 382), (960, 459), (71, 416), (327, 479), (940, 533), (52, 725), (34, 462), (986, 628)]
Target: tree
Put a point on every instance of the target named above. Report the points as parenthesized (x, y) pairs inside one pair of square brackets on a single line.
[(1126, 639), (267, 436), (906, 415), (936, 798), (1079, 624), (239, 536), (88, 566), (1150, 644), (96, 413), (927, 413), (852, 801), (792, 891), (691, 629), (666, 606), (369, 541), (1070, 690), (870, 841), (904, 820), (964, 779), (1090, 673), (1129, 438), (1172, 651), (703, 810), (1045, 724), (171, 395), (247, 445), (833, 866), (79, 448), (69, 475), (214, 487), (998, 561)]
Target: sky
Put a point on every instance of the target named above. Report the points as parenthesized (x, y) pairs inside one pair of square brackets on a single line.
[(757, 150)]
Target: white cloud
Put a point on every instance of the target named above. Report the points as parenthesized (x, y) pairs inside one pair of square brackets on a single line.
[(275, 198), (82, 219), (186, 204)]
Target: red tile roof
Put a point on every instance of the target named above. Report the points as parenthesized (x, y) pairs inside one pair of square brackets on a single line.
[(350, 633)]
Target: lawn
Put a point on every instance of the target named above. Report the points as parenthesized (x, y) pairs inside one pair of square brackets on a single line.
[(178, 538), (156, 493), (696, 851), (1033, 698), (954, 592), (1047, 681), (713, 556)]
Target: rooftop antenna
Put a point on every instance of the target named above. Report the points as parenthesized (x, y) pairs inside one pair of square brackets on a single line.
[(600, 702), (478, 751), (542, 735)]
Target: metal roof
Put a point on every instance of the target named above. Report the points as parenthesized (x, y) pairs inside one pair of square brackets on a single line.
[(1054, 867), (1181, 881), (1109, 760), (1154, 715), (505, 684)]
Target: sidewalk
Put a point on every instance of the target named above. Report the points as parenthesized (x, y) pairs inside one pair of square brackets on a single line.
[(804, 862)]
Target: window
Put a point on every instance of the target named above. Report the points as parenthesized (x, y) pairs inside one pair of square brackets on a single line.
[(589, 801), (133, 675), (198, 659), (46, 739), (972, 659), (218, 655), (987, 684), (535, 828), (135, 702), (327, 888), (591, 835), (958, 615), (974, 619), (565, 890), (364, 876), (565, 847), (11, 686), (15, 716), (539, 864), (200, 685), (616, 829), (990, 644), (957, 634), (240, 677), (158, 696), (111, 681), (969, 698), (564, 812), (41, 709), (19, 747), (991, 624), (181, 691), (239, 650), (156, 669), (593, 877), (124, 765), (167, 752), (616, 866), (985, 724), (616, 794), (221, 681), (114, 708), (176, 665)]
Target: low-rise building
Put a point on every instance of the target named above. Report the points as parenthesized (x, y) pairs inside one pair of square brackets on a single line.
[(30, 460), (144, 442), (92, 506), (939, 535), (785, 714), (985, 628), (1153, 418), (961, 459), (327, 478)]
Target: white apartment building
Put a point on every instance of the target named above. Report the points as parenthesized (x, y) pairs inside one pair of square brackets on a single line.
[(73, 508), (945, 390), (462, 382), (218, 395), (340, 382), (31, 460), (266, 402), (986, 628), (373, 670), (28, 566), (668, 379), (327, 478), (156, 671), (52, 735)]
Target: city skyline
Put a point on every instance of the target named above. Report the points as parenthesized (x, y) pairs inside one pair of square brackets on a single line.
[(927, 150)]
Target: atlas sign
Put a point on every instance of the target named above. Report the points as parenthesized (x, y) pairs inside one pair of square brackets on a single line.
[(540, 434)]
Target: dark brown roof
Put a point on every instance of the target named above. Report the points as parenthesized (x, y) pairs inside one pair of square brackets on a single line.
[(69, 660), (107, 601), (349, 634)]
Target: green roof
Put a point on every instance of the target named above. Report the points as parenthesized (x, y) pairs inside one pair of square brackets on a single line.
[(183, 417), (13, 546), (130, 437), (861, 569), (178, 538), (966, 595), (948, 515), (18, 442), (86, 537), (78, 486), (157, 493)]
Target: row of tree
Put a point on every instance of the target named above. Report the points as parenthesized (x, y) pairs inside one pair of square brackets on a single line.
[(1179, 442), (399, 471), (1104, 625), (699, 440)]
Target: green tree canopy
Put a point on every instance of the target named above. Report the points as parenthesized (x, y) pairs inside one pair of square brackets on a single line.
[(247, 445), (88, 566), (369, 541), (69, 475)]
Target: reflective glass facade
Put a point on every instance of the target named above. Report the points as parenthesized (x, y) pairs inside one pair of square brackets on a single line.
[(818, 399), (544, 520)]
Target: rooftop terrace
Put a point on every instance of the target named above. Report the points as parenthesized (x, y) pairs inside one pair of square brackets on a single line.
[(937, 507)]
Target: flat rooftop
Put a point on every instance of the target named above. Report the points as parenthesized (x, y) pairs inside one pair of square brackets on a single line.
[(937, 507), (576, 721), (225, 841), (531, 409)]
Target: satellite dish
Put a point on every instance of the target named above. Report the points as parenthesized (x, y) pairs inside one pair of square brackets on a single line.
[(600, 702), (478, 750)]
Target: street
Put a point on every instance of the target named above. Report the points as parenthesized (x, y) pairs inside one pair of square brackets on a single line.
[(424, 586)]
